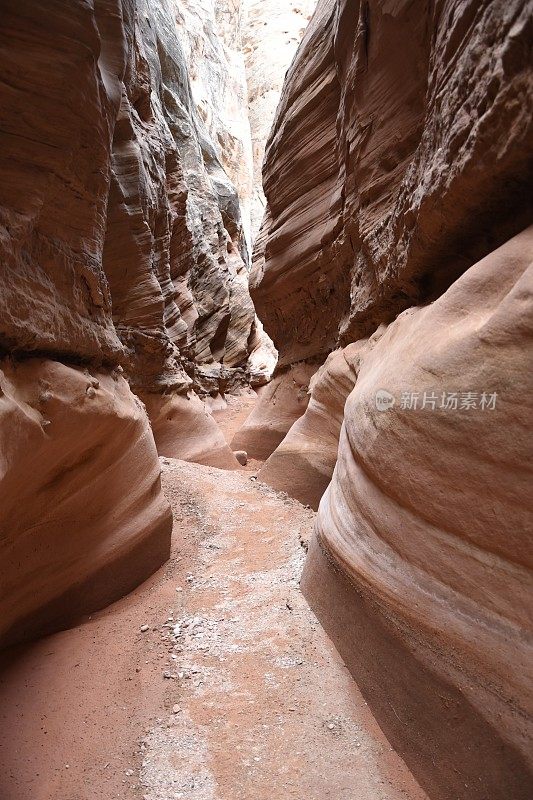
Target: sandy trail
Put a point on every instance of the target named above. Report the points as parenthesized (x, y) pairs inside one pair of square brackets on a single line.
[(233, 692)]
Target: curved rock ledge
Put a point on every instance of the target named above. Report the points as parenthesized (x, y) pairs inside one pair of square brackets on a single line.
[(83, 518), (184, 429), (280, 404), (428, 516), (302, 465)]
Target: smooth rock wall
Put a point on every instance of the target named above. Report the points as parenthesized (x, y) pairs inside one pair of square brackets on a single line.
[(279, 405), (83, 519), (429, 519)]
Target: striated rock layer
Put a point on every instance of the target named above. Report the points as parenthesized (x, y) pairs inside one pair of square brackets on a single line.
[(122, 247), (280, 404), (396, 178), (399, 156), (83, 518), (176, 250), (428, 517)]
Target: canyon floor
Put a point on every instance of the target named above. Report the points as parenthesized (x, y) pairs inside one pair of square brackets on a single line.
[(212, 681)]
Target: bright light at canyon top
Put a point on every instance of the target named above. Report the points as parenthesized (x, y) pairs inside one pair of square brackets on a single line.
[(239, 52)]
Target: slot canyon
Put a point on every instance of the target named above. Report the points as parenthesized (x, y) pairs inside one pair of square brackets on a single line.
[(266, 400)]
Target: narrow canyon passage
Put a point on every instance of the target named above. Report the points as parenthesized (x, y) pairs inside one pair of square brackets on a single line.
[(212, 681), (266, 417)]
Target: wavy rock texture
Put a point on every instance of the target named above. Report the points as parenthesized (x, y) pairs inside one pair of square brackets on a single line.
[(121, 245), (396, 176), (174, 213), (391, 167), (271, 33), (302, 465), (280, 404), (428, 516), (83, 517), (183, 428)]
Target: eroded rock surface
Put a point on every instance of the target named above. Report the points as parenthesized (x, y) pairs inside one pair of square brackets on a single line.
[(429, 517), (122, 246), (280, 404), (399, 156)]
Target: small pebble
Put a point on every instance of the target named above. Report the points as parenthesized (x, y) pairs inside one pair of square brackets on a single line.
[(176, 709), (241, 456), (144, 628)]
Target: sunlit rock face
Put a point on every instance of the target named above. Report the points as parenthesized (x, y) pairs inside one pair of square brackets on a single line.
[(272, 31), (174, 206), (210, 32), (211, 35)]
